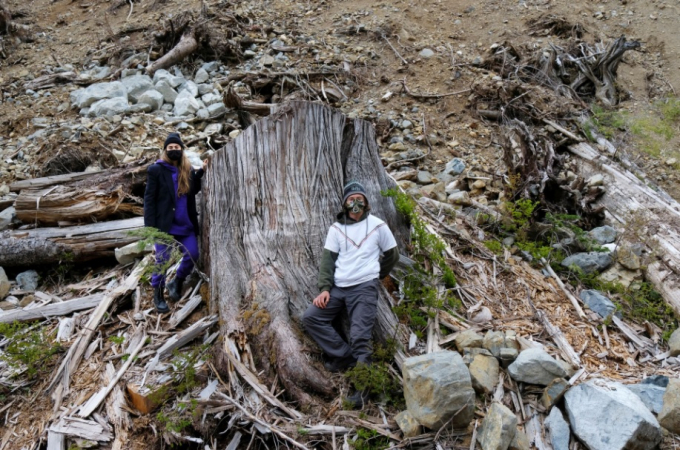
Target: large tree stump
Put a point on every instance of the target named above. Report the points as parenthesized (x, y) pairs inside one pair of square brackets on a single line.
[(271, 195)]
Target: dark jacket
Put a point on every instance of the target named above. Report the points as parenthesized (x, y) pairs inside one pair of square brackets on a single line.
[(328, 258), (160, 198)]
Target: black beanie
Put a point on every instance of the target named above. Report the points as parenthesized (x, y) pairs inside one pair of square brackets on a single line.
[(353, 187), (173, 138)]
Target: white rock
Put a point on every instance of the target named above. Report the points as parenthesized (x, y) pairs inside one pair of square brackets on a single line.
[(109, 107), (190, 87), (165, 88), (136, 85), (186, 104), (201, 76), (153, 98), (83, 98)]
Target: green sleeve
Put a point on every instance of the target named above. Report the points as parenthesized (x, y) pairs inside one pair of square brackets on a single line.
[(327, 270), (389, 260)]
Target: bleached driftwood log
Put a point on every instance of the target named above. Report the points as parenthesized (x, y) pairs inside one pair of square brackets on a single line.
[(652, 218), (79, 243), (81, 197), (274, 191), (51, 310)]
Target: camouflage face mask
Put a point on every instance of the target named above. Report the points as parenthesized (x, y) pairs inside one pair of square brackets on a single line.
[(356, 206)]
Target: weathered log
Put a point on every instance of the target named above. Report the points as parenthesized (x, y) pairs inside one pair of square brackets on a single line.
[(646, 215), (185, 47), (51, 310), (233, 100), (80, 243), (274, 192), (82, 197)]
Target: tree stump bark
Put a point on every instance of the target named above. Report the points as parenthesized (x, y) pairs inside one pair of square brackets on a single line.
[(271, 195)]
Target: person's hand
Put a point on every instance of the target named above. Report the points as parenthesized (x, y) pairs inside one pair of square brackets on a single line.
[(205, 165), (322, 300)]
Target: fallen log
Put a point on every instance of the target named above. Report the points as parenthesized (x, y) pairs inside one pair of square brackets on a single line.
[(51, 310), (79, 243), (274, 191), (185, 47), (82, 197), (648, 216)]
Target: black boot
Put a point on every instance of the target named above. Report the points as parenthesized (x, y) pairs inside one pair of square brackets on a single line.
[(175, 289), (336, 365), (159, 301), (358, 399)]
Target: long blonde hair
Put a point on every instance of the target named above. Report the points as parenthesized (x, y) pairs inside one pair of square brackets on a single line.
[(183, 172)]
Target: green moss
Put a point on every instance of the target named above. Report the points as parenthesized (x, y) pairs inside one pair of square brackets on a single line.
[(370, 440), (30, 347), (494, 246)]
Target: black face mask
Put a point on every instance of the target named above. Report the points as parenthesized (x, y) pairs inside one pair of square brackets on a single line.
[(174, 155)]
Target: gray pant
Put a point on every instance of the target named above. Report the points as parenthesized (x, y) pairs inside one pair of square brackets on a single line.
[(361, 302)]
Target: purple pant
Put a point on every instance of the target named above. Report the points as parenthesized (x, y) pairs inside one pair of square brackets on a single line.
[(189, 247)]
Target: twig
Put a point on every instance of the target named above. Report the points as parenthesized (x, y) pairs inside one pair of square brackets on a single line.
[(252, 418), (571, 298), (130, 13), (436, 436), (427, 139), (562, 130), (414, 95), (394, 50)]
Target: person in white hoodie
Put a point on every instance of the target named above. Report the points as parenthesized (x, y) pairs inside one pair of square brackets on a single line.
[(349, 277)]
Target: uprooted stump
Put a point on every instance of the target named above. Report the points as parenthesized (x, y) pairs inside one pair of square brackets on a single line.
[(272, 194)]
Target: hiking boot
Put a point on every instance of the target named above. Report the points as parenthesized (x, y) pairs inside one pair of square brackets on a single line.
[(175, 289), (159, 301), (336, 365), (358, 399)]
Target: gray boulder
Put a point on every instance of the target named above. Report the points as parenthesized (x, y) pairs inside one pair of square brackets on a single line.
[(599, 303), (172, 80), (535, 366), (201, 76), (190, 87), (603, 235), (605, 415), (205, 88), (493, 342), (28, 281), (455, 167), (109, 107), (484, 373), (211, 66), (468, 339), (559, 430), (407, 424), (656, 380), (437, 386), (4, 284), (136, 85), (165, 88), (651, 395), (588, 262), (153, 98), (83, 98), (498, 428), (185, 104), (210, 98), (216, 109), (674, 343), (669, 417), (6, 217), (129, 253), (202, 114)]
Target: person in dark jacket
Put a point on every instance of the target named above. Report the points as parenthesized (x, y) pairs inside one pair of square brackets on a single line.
[(170, 206), (349, 277)]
